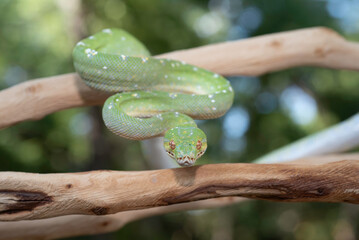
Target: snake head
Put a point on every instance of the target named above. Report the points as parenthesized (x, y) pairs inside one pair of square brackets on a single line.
[(185, 144)]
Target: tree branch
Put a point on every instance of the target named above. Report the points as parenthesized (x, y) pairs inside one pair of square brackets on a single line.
[(32, 100), (255, 56), (77, 225), (314, 46), (36, 196)]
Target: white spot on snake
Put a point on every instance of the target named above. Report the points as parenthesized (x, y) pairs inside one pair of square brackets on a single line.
[(166, 76), (107, 31), (80, 44), (117, 100), (90, 52), (123, 57), (110, 106), (193, 94), (230, 89), (144, 60), (216, 75), (135, 95), (195, 69), (179, 78), (224, 91), (210, 95), (91, 37), (214, 108), (172, 95), (173, 65), (123, 38), (159, 116), (213, 100), (183, 62), (104, 67)]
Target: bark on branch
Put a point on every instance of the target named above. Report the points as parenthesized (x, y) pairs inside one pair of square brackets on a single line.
[(36, 196), (77, 225), (312, 47)]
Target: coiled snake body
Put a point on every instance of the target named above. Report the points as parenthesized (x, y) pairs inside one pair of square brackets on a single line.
[(155, 97)]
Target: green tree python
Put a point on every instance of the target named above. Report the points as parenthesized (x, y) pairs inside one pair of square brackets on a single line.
[(152, 97)]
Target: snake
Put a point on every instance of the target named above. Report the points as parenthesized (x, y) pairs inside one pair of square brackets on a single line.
[(152, 97)]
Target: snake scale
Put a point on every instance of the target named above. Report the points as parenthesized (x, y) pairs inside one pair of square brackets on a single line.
[(152, 97)]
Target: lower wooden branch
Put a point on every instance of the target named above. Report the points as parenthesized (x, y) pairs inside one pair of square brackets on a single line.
[(79, 225), (36, 196)]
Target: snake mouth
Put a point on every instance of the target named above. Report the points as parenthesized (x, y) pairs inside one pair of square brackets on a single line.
[(186, 161)]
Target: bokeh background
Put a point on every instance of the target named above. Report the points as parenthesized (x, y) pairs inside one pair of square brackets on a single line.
[(37, 37)]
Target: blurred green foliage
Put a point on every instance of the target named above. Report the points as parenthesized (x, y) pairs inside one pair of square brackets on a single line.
[(37, 37)]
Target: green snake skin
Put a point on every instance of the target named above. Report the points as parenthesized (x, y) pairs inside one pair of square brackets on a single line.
[(155, 97)]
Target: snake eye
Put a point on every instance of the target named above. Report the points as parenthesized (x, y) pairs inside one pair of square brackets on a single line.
[(199, 144), (172, 145)]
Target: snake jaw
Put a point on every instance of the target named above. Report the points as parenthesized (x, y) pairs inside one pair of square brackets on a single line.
[(186, 161)]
